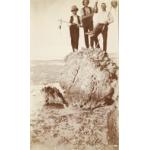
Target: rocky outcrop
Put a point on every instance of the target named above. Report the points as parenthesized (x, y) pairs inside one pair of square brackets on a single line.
[(89, 79)]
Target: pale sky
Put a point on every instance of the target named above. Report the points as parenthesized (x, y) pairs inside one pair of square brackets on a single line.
[(47, 41)]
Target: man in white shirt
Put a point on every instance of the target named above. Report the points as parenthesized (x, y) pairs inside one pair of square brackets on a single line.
[(101, 21)]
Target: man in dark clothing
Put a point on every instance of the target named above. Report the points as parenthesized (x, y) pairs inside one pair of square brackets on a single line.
[(87, 23), (75, 23)]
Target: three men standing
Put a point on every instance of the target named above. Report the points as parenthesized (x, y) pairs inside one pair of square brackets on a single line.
[(94, 22)]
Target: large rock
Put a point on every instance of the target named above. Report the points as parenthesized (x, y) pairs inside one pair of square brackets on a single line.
[(89, 79)]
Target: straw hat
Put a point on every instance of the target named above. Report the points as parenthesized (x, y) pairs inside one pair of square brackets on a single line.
[(74, 8)]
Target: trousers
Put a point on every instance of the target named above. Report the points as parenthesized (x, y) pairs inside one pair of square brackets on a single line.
[(87, 28), (74, 35), (103, 29)]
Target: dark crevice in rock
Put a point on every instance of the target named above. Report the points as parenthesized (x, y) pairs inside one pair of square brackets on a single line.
[(74, 79)]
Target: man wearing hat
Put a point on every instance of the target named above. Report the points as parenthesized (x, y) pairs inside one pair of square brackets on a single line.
[(87, 23), (101, 21), (75, 23)]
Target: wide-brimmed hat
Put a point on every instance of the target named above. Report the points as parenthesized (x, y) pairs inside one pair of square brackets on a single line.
[(74, 8)]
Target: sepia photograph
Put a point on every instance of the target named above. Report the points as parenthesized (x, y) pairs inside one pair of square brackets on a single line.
[(74, 79), (74, 75)]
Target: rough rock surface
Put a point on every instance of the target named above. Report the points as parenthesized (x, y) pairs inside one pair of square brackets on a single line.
[(112, 126), (89, 79), (74, 129), (53, 97)]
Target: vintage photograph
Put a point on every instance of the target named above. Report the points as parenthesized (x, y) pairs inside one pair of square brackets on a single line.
[(74, 96)]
